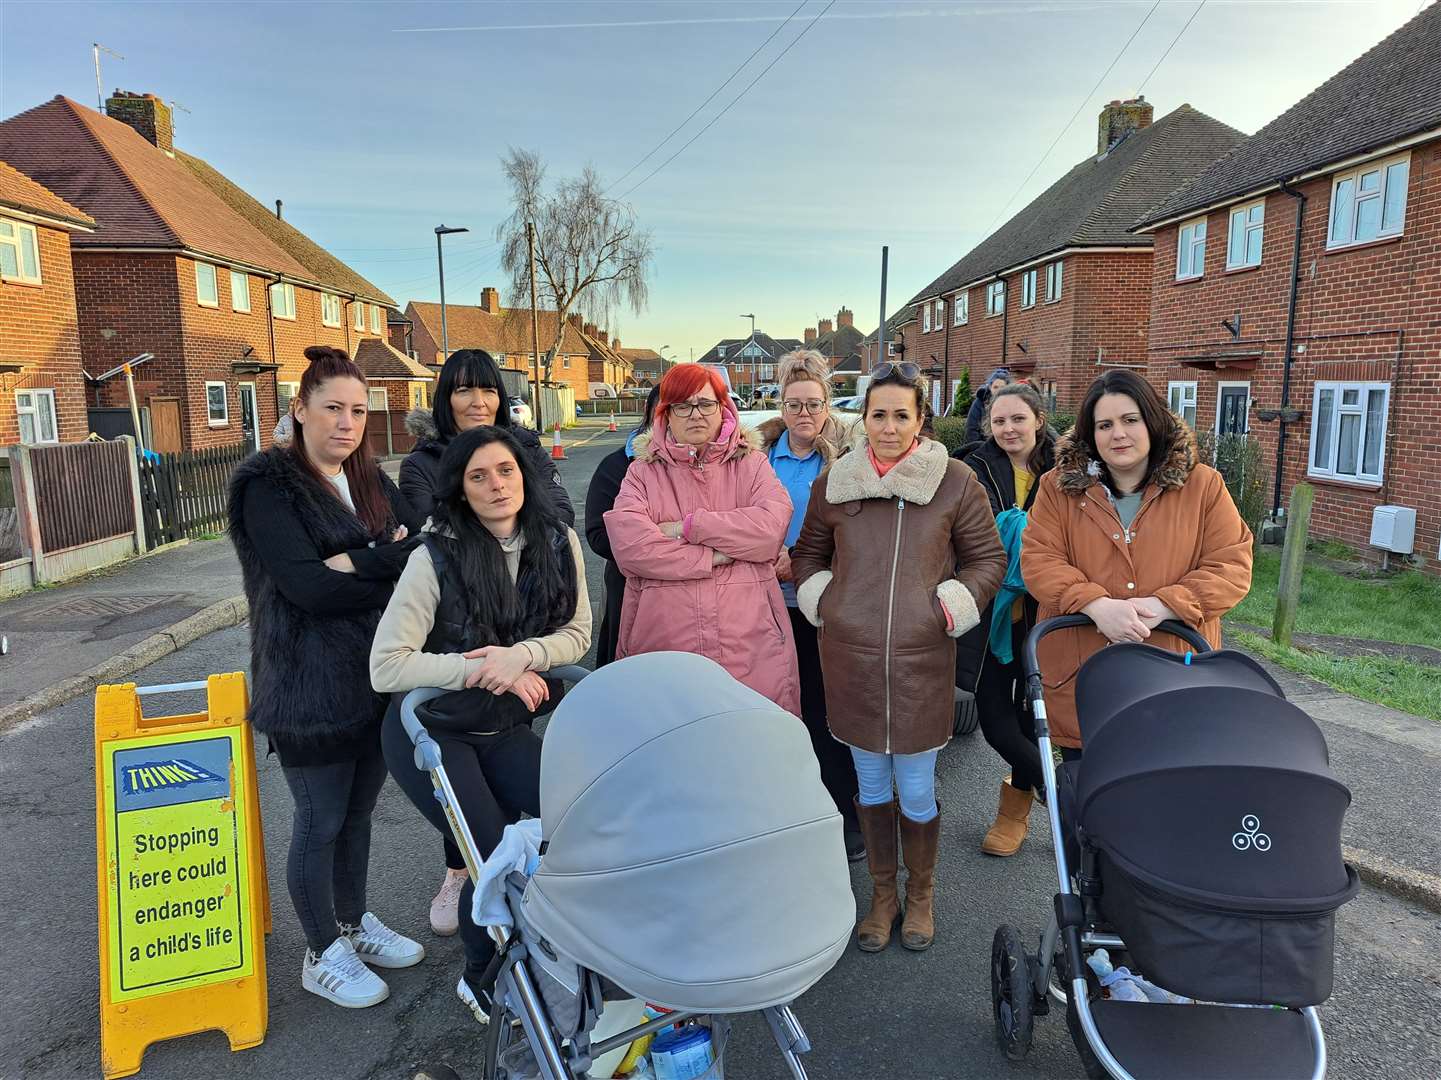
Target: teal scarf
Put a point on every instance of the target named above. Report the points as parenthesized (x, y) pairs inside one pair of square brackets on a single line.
[(1010, 524)]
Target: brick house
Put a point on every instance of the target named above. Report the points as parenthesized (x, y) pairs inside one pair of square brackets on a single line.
[(608, 364), (839, 342), (647, 366), (750, 361), (42, 385), (503, 332), (1061, 291), (179, 268), (1314, 247)]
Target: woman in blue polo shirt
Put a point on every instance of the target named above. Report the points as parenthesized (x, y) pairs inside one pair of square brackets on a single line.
[(799, 445)]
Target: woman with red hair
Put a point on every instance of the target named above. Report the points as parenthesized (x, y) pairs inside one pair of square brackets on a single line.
[(696, 530)]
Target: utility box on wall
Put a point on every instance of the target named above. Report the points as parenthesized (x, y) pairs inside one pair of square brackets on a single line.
[(1393, 529)]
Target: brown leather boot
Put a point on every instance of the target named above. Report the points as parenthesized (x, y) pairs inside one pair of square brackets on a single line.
[(919, 843), (878, 824), (1013, 821)]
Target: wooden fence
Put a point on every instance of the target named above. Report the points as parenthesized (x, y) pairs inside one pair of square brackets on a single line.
[(183, 495), (82, 492)]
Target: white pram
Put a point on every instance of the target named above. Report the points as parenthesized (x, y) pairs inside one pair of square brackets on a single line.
[(691, 859)]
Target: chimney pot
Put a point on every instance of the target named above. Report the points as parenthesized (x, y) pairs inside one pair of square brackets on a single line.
[(147, 114), (810, 335), (826, 326), (278, 207), (845, 317), (590, 329), (1121, 118), (603, 338), (490, 300)]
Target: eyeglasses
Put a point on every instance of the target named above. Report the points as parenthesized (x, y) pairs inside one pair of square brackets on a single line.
[(705, 406), (904, 368), (814, 407)]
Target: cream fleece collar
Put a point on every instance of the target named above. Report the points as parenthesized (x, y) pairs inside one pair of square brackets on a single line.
[(914, 479)]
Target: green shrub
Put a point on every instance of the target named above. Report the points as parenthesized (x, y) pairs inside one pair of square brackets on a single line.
[(1062, 422), (951, 431), (961, 403), (1240, 461)]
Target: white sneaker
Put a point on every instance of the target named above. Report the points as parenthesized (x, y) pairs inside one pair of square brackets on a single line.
[(338, 975), (445, 908), (479, 1006), (380, 946)]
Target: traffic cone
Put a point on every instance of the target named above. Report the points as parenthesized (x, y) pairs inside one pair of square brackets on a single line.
[(557, 452), (611, 426)]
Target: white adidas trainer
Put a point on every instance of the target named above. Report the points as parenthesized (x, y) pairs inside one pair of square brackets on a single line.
[(338, 976), (380, 946)]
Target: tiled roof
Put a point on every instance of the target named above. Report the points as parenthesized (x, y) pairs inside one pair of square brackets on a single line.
[(844, 341), (508, 333), (897, 320), (381, 360), (1098, 201), (774, 348), (1389, 94), (640, 356), (20, 192), (324, 267), (139, 195)]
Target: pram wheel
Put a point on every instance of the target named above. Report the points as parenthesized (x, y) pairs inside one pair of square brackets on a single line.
[(504, 1043), (1090, 1064), (1012, 996)]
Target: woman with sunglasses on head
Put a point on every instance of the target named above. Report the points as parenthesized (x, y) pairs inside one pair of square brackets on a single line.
[(493, 598), (799, 443), (696, 529), (896, 558), (470, 393)]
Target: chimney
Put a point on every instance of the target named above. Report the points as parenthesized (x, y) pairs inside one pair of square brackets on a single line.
[(826, 326), (590, 330), (615, 344), (490, 300), (810, 335), (147, 114), (1121, 118), (279, 206), (845, 317), (603, 338), (575, 320)]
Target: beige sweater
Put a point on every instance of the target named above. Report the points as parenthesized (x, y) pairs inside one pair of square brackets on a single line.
[(397, 660)]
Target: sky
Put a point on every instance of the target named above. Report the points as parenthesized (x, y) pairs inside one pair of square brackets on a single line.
[(907, 123)]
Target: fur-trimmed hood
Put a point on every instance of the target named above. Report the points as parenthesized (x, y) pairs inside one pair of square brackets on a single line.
[(741, 443), (1077, 472), (914, 479), (829, 442), (421, 423)]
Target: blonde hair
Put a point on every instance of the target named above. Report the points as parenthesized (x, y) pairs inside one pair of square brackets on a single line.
[(803, 365)]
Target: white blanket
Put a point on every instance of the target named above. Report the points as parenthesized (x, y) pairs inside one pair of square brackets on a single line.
[(519, 849)]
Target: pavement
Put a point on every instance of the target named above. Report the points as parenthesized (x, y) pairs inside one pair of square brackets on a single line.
[(896, 1014)]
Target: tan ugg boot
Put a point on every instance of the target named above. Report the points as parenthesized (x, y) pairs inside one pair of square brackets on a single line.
[(920, 841), (1013, 820), (878, 824)]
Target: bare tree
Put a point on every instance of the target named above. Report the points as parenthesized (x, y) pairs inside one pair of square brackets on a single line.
[(590, 256)]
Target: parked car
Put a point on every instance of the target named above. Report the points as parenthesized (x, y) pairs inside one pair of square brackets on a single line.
[(520, 413), (847, 404)]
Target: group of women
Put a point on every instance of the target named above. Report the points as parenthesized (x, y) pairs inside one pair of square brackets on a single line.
[(831, 571)]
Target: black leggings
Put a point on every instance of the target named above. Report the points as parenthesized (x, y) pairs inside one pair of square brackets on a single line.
[(1005, 722), (838, 768), (496, 778)]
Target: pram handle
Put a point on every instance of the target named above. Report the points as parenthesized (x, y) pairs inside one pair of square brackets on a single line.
[(1190, 635)]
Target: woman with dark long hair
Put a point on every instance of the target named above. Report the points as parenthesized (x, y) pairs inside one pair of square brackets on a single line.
[(493, 598), (321, 535)]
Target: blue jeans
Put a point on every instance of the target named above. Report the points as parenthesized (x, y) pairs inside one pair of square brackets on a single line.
[(912, 776)]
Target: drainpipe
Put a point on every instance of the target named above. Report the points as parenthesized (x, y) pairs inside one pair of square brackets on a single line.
[(1286, 359), (1005, 319), (270, 325), (946, 357)]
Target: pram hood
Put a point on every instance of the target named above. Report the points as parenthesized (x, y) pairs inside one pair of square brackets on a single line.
[(693, 856)]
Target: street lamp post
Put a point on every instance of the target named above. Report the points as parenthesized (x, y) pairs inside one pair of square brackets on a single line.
[(441, 230), (750, 351)]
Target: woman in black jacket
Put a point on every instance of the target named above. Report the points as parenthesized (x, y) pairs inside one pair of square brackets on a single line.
[(321, 533), (600, 497), (1008, 464), (470, 393)]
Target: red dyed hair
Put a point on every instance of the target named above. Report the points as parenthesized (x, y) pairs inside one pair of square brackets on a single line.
[(685, 381)]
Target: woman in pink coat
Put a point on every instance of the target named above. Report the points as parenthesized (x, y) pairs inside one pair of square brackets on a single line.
[(696, 529)]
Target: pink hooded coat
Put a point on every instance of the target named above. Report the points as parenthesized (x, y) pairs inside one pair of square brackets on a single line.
[(675, 600)]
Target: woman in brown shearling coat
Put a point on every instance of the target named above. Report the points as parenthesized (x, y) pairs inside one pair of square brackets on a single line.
[(1129, 529), (897, 556)]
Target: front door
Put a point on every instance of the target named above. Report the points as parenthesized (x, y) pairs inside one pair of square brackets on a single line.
[(249, 415), (1231, 402)]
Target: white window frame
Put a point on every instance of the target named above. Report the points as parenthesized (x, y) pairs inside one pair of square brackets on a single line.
[(375, 318), (214, 300), (1191, 250), (22, 229), (283, 400), (720, 352), (1241, 261), (961, 305), (359, 311), (1221, 388), (891, 347), (1354, 198), (925, 318), (374, 394), (239, 287), (284, 308), (1055, 280), (940, 320), (1029, 281), (330, 310), (36, 414), (1188, 396), (417, 395), (995, 299), (210, 418), (1333, 442)]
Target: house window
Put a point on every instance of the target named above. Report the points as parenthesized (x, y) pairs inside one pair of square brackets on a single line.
[(377, 400), (995, 298), (940, 314), (282, 300), (36, 411), (358, 310), (1028, 289), (720, 351), (1369, 203), (1191, 250), (1243, 240), (239, 291), (329, 309), (284, 393), (417, 395), (206, 294), (961, 305), (926, 319), (1054, 274), (1182, 400), (891, 348), (19, 252), (216, 405), (1348, 431), (375, 318)]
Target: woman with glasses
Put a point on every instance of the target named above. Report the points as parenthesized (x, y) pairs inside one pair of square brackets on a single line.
[(802, 441), (896, 558), (697, 529)]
